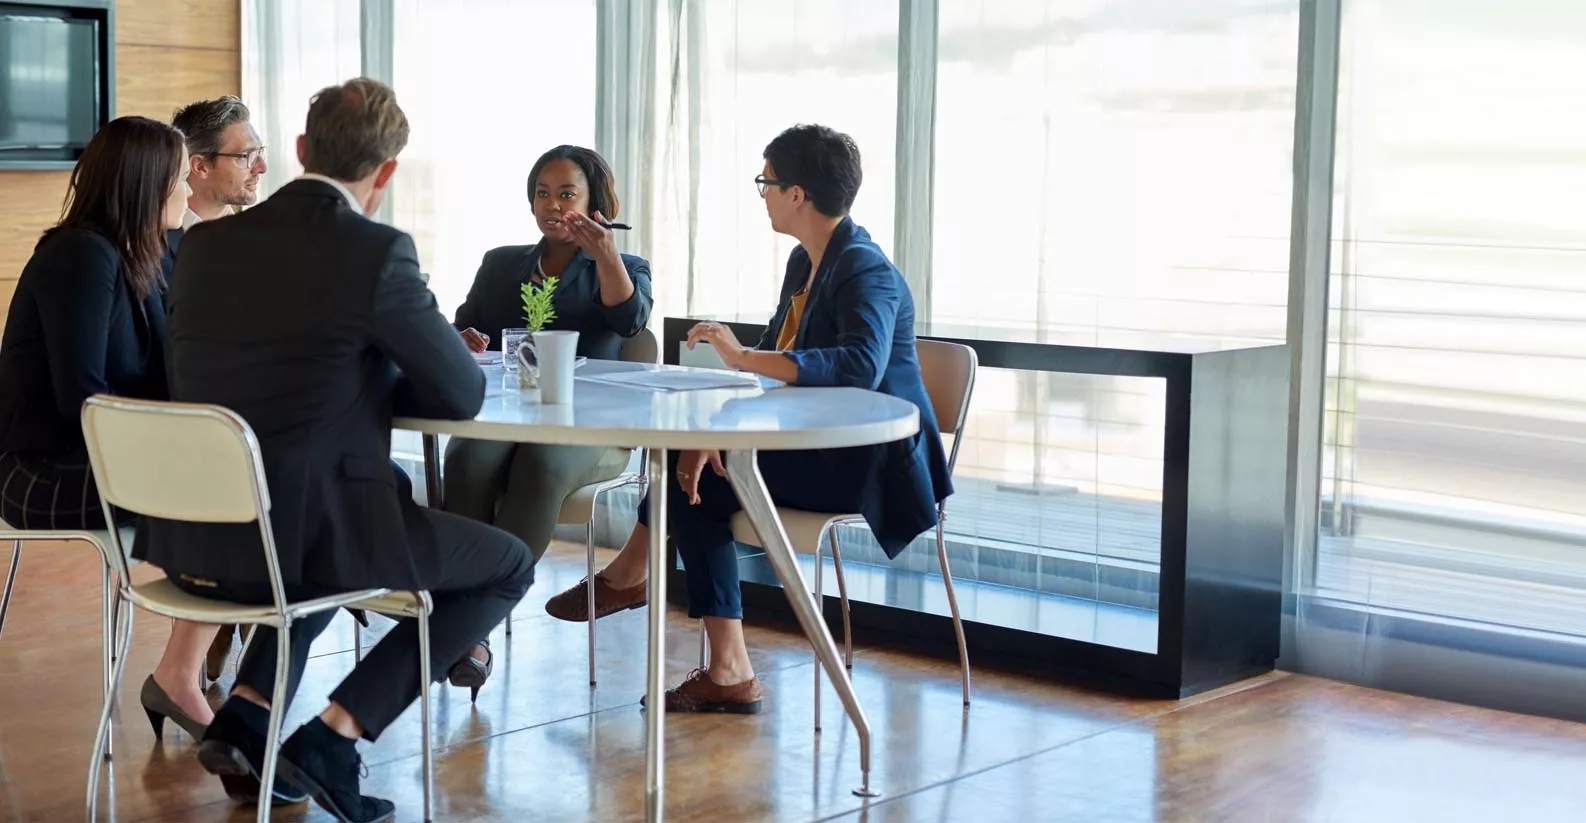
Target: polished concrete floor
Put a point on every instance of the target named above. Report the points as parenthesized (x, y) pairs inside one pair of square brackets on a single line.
[(543, 746)]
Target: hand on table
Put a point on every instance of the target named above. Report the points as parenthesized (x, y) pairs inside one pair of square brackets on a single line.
[(476, 341), (721, 339)]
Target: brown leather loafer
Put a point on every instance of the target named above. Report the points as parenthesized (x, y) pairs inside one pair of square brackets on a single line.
[(573, 604), (698, 693)]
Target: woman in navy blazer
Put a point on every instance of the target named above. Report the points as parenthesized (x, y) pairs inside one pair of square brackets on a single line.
[(845, 318), (88, 317)]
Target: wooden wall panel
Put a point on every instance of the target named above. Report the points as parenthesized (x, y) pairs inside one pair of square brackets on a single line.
[(167, 79), (188, 24), (168, 53), (30, 202)]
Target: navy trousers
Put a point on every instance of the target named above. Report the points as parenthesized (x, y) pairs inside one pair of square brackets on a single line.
[(801, 480)]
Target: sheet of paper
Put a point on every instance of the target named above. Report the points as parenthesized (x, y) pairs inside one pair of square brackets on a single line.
[(676, 380)]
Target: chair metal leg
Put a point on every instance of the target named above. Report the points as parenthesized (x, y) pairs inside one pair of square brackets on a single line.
[(101, 750), (357, 641), (744, 474), (272, 737), (11, 581), (842, 595), (820, 609), (428, 767), (589, 591), (952, 603), (107, 609)]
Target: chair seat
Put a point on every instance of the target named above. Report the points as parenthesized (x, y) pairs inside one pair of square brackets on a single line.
[(162, 597), (9, 532), (579, 507), (804, 529), (397, 604)]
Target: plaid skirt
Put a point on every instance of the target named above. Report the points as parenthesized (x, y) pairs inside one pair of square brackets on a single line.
[(41, 492)]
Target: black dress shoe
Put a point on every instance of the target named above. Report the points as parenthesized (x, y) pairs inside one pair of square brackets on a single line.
[(233, 750), (327, 764)]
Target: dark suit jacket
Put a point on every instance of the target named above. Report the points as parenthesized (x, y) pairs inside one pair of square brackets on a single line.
[(857, 330), (311, 322), (74, 330), (495, 300)]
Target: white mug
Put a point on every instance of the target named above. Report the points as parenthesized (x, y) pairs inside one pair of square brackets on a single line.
[(555, 352)]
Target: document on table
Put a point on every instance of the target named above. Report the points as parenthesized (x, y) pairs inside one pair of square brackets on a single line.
[(676, 380)]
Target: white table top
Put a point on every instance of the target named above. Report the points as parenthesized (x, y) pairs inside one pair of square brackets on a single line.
[(602, 414)]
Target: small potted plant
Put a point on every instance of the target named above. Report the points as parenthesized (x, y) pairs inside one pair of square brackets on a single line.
[(537, 313)]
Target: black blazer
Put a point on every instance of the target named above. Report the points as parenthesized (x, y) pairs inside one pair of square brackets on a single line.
[(495, 300), (311, 322), (857, 330), (74, 330)]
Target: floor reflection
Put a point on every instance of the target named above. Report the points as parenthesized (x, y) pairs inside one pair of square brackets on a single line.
[(543, 746)]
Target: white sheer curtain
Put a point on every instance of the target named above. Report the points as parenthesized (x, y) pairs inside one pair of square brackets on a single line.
[(291, 49), (732, 75), (488, 86)]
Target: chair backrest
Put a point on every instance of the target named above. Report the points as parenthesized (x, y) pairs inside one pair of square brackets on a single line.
[(641, 348), (178, 461), (949, 373)]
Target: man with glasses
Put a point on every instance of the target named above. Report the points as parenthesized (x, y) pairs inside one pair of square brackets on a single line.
[(226, 162), (226, 156)]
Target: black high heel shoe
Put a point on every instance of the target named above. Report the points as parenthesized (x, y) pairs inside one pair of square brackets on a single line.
[(159, 707), (469, 673)]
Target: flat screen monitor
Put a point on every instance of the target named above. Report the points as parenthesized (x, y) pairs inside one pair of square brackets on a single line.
[(49, 82)]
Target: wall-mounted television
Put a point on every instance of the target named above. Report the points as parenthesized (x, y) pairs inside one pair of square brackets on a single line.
[(56, 80)]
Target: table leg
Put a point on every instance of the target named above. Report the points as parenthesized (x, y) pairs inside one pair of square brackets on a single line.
[(432, 472), (744, 472), (655, 689)]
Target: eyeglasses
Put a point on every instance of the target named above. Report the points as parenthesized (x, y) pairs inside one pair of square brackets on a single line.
[(764, 184), (248, 158)]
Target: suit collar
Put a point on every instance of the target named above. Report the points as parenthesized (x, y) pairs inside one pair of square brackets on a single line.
[(842, 235), (320, 184), (531, 258)]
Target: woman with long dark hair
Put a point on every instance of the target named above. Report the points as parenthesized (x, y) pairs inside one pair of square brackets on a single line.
[(88, 317)]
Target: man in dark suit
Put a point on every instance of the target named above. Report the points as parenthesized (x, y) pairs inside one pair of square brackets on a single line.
[(311, 321)]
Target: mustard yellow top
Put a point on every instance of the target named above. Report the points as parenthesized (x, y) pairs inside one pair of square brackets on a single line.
[(790, 324)]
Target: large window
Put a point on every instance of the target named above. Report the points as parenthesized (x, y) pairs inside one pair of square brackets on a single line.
[(488, 86), (292, 49), (1117, 166), (757, 67), (1109, 171), (1455, 445)]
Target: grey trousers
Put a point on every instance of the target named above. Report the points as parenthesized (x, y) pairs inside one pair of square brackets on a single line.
[(519, 488)]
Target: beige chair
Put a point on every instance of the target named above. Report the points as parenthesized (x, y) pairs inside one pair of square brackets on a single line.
[(196, 463), (579, 507), (949, 372), (101, 542)]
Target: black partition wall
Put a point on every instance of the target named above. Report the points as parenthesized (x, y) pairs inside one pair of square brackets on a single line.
[(1205, 614)]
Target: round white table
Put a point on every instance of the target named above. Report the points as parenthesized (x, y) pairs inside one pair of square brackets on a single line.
[(737, 420)]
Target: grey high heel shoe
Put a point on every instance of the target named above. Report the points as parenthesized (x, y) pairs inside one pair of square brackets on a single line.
[(160, 707)]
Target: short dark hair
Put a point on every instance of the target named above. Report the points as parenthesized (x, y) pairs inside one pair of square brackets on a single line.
[(353, 128), (119, 186), (204, 122), (822, 161), (602, 182)]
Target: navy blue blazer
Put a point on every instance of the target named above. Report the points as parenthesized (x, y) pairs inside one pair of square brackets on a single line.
[(495, 300), (857, 330), (75, 329)]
